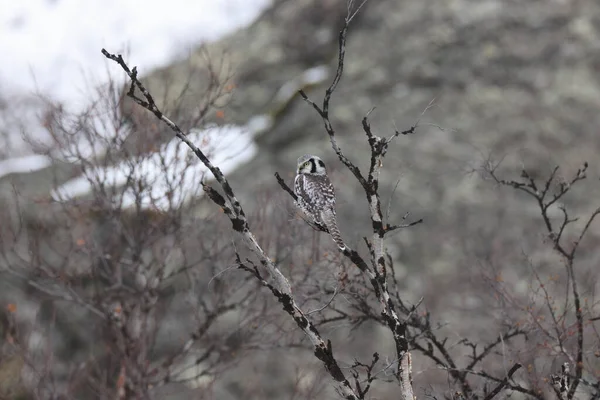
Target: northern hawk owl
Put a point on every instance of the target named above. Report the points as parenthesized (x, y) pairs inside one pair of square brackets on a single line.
[(316, 196)]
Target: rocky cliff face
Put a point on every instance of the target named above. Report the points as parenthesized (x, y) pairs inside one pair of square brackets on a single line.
[(507, 79), (510, 80)]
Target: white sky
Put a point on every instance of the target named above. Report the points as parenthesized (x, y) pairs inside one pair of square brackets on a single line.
[(53, 47), (58, 42)]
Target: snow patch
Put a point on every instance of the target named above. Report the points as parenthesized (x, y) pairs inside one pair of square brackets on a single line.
[(20, 165), (169, 177)]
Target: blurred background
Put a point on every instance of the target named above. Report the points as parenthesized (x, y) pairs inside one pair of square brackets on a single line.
[(54, 46), (489, 81)]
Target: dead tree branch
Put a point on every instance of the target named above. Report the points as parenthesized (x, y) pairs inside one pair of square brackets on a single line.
[(233, 209), (547, 193), (502, 384), (377, 272)]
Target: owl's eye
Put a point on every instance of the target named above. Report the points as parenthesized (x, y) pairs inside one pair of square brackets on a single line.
[(306, 164)]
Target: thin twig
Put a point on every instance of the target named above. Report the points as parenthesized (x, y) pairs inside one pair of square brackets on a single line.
[(502, 384)]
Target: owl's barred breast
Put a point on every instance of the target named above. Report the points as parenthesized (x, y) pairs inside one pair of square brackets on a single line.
[(315, 191)]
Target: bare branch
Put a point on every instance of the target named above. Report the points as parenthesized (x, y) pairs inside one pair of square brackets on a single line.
[(234, 211), (502, 384)]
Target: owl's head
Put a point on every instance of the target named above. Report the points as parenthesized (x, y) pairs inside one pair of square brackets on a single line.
[(309, 164)]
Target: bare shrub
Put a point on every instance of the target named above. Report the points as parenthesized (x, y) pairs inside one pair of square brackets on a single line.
[(128, 290)]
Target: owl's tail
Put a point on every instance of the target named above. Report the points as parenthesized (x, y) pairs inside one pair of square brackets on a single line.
[(328, 217)]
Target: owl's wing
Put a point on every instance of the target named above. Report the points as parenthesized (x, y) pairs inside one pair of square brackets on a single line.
[(300, 189), (325, 191), (326, 200), (328, 217), (304, 201)]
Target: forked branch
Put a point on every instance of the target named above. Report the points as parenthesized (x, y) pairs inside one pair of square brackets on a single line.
[(547, 193), (233, 209), (377, 272)]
